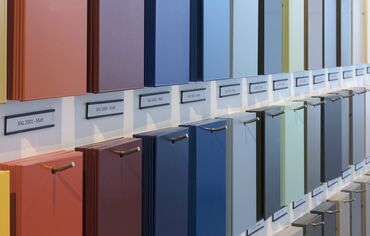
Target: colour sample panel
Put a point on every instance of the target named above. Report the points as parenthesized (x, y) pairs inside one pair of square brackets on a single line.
[(4, 203), (293, 35), (51, 55), (208, 185), (344, 33), (357, 127), (210, 35), (3, 49), (314, 34), (245, 38), (358, 32), (167, 27), (242, 164), (343, 222), (330, 33), (331, 136), (292, 159), (270, 36), (116, 60), (312, 131), (328, 211), (165, 182)]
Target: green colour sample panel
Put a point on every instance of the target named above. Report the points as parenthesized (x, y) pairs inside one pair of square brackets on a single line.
[(293, 35), (292, 162)]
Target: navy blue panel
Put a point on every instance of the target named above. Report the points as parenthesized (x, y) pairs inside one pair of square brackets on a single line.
[(165, 182), (208, 178), (210, 40), (167, 42)]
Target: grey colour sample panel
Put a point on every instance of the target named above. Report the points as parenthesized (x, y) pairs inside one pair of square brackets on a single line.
[(356, 212), (328, 211), (343, 225), (331, 138), (270, 37), (313, 34), (268, 161), (330, 33), (357, 125), (312, 132), (312, 224), (344, 32), (242, 165)]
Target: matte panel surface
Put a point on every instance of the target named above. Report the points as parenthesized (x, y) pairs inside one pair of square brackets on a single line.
[(245, 38), (344, 33), (292, 158), (357, 128), (4, 203), (330, 33), (208, 177), (167, 42), (343, 223), (358, 32), (270, 37), (314, 34), (3, 49)]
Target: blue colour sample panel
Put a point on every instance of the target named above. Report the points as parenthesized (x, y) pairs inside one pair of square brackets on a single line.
[(165, 182), (210, 40), (245, 38), (208, 178), (167, 42)]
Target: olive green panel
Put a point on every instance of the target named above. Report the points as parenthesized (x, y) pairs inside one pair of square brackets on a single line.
[(292, 164), (293, 35)]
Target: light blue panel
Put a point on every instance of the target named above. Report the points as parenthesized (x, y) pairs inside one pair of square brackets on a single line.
[(245, 38), (330, 33), (242, 165), (216, 39)]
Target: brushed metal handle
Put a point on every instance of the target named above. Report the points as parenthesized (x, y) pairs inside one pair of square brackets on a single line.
[(62, 168), (213, 130), (179, 138), (299, 108), (360, 191), (333, 212), (251, 121), (276, 114), (318, 224), (126, 152), (317, 104), (349, 201)]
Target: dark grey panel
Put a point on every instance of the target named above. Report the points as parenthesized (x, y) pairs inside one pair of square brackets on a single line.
[(312, 224), (314, 34), (312, 145), (329, 211), (271, 34), (356, 211), (330, 33), (357, 128), (345, 129), (331, 138), (344, 33)]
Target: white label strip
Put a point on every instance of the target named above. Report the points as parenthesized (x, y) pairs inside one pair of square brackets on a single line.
[(29, 121), (318, 191), (154, 100), (360, 72), (299, 202), (347, 173), (104, 109), (281, 84), (229, 90), (360, 165), (302, 81), (347, 74), (280, 214), (333, 76), (319, 79), (331, 183), (194, 95), (257, 227), (259, 87)]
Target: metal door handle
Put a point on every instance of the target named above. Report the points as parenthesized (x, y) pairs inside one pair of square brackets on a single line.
[(251, 121), (126, 152), (299, 108), (317, 104), (318, 224), (333, 212), (349, 201), (213, 130), (62, 168), (179, 138), (275, 114)]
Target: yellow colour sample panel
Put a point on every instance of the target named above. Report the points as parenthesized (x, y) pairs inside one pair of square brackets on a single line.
[(4, 203), (3, 49)]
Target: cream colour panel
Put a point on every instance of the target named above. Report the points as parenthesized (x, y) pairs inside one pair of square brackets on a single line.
[(358, 31)]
